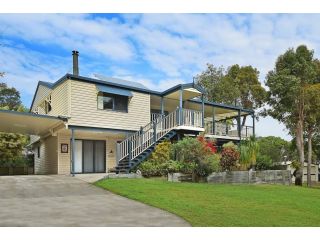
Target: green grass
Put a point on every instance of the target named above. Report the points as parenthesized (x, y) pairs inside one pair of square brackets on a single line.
[(225, 205)]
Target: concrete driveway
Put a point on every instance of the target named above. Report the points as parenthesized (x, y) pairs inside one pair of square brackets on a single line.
[(67, 201)]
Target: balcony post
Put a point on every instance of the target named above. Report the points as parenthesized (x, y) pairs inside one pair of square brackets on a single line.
[(202, 109), (253, 126), (180, 106), (141, 137), (239, 123), (227, 130), (162, 106), (213, 121)]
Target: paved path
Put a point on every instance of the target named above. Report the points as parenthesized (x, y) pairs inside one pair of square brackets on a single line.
[(66, 201)]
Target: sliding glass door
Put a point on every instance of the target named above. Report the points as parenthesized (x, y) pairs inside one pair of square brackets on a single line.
[(90, 156), (99, 156)]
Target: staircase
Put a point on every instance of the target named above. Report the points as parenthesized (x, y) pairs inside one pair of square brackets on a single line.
[(136, 148)]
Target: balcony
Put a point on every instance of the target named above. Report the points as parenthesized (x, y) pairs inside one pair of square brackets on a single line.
[(227, 131)]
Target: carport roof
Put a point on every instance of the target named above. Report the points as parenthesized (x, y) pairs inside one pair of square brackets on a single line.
[(27, 123)]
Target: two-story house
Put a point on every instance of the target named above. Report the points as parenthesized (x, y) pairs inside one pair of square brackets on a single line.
[(101, 124)]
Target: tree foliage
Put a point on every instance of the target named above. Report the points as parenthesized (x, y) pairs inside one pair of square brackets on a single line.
[(293, 71), (9, 97), (11, 145), (236, 85), (276, 148), (312, 120)]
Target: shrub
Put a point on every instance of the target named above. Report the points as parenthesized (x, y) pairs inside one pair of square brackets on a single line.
[(17, 162), (248, 153), (188, 150), (229, 157), (195, 156), (149, 169), (208, 143), (158, 163), (263, 162), (230, 145), (209, 164), (161, 152)]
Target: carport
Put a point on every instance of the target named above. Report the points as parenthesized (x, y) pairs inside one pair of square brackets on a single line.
[(28, 123), (43, 130)]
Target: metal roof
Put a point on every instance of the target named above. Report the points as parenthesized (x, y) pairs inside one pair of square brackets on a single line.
[(120, 81), (129, 85)]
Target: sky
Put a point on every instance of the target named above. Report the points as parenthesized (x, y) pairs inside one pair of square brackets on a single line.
[(157, 50)]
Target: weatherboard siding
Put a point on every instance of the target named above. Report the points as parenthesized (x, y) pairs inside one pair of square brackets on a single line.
[(64, 159), (84, 111), (47, 162), (60, 100), (41, 94)]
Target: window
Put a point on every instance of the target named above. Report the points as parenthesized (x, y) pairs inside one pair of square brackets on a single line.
[(107, 101)]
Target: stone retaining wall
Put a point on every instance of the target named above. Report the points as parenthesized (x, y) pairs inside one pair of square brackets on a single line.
[(236, 177), (255, 177)]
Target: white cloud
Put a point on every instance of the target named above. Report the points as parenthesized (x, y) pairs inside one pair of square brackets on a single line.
[(167, 48), (100, 37)]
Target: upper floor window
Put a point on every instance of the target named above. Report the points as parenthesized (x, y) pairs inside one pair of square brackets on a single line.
[(108, 101)]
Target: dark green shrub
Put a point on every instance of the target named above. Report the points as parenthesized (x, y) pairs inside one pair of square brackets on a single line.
[(263, 162), (150, 169), (17, 162)]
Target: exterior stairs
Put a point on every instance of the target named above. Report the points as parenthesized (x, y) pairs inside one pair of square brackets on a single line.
[(136, 148), (125, 166)]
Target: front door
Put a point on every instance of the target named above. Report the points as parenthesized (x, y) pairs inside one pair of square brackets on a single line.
[(92, 157)]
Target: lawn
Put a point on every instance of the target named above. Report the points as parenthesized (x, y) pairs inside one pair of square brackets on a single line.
[(225, 205)]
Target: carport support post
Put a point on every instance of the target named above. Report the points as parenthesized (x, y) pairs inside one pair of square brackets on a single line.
[(72, 151)]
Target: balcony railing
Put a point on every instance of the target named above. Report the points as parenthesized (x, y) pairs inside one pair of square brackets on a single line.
[(224, 129)]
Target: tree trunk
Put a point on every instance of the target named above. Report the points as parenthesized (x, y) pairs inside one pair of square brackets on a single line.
[(243, 121), (309, 158), (300, 147)]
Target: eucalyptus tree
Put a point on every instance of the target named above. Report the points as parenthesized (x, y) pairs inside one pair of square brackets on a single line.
[(238, 85), (312, 120), (293, 71)]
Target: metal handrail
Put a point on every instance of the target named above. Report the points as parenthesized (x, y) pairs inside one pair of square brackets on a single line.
[(148, 135)]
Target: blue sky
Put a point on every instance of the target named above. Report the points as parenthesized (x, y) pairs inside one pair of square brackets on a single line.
[(157, 50)]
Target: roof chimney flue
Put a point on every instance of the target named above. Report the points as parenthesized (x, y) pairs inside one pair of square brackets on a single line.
[(75, 55)]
